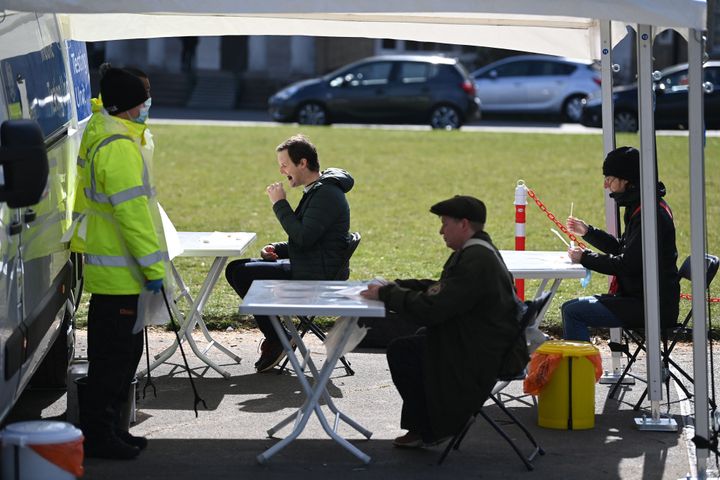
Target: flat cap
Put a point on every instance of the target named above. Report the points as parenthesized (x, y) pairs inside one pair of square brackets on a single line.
[(461, 206)]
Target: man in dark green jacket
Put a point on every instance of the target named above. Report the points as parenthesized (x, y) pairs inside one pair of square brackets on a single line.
[(446, 371), (318, 233)]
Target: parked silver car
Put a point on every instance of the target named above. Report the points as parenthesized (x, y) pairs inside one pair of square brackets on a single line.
[(537, 84)]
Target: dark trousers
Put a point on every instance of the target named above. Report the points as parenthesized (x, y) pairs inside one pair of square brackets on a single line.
[(241, 273), (406, 359), (113, 354)]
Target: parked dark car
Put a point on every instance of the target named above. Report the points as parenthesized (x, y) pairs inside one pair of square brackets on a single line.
[(671, 101), (397, 88)]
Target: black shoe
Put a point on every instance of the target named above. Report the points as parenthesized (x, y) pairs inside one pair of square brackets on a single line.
[(130, 439), (109, 447), (272, 354)]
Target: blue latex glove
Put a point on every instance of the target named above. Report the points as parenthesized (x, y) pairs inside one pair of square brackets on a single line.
[(154, 285), (584, 282)]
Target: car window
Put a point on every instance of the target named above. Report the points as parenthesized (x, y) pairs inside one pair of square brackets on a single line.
[(416, 72), (543, 69), (367, 74), (513, 69)]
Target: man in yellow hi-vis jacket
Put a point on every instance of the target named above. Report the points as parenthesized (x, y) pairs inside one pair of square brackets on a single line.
[(124, 253)]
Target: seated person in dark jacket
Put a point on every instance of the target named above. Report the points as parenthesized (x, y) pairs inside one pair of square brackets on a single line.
[(622, 257), (318, 233), (445, 372)]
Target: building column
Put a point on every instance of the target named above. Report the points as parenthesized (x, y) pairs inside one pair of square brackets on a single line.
[(156, 52), (207, 55), (302, 55), (257, 53)]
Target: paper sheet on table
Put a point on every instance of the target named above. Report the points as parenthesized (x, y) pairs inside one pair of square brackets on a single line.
[(353, 291), (357, 333), (172, 240)]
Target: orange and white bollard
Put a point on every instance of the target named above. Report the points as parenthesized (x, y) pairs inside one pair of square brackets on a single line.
[(520, 208)]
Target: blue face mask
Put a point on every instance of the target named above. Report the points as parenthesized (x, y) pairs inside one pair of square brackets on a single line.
[(144, 112)]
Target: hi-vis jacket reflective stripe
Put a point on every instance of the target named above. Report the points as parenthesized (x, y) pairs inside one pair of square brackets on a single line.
[(122, 248), (77, 242)]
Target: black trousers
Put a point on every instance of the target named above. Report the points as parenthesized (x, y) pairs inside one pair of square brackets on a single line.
[(241, 273), (113, 354), (406, 359)]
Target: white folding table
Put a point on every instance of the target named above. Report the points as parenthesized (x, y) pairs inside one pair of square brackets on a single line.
[(220, 245), (544, 266), (282, 299)]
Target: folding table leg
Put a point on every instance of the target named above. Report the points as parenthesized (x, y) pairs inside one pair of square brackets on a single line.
[(313, 393)]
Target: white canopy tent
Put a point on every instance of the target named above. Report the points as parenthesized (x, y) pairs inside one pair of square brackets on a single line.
[(577, 28)]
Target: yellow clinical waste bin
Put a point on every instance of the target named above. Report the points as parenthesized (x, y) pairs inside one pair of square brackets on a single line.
[(567, 401)]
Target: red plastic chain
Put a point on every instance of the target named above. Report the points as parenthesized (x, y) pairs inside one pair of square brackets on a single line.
[(551, 216), (554, 219), (687, 296)]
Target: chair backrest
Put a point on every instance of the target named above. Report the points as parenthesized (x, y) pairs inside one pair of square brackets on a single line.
[(534, 308), (517, 356), (711, 268), (344, 272)]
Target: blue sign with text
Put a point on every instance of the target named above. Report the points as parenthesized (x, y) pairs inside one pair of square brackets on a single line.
[(36, 88), (80, 73)]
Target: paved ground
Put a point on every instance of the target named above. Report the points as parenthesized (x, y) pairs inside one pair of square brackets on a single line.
[(224, 440)]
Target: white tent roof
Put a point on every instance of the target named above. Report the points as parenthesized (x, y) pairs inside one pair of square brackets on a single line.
[(560, 27)]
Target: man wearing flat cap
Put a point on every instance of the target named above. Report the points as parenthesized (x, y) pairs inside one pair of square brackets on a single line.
[(622, 258), (445, 372)]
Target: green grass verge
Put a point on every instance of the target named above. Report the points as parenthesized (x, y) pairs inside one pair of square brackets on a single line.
[(213, 179)]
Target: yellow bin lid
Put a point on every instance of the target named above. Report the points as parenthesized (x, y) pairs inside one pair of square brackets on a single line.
[(568, 348)]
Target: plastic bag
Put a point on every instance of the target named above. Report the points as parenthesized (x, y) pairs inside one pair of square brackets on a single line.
[(357, 333), (151, 310), (540, 371)]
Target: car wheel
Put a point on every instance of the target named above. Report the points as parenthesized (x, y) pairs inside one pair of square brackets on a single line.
[(445, 117), (573, 108), (312, 114), (626, 122)]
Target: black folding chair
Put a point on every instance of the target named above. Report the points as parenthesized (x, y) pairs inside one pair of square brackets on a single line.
[(534, 307), (307, 323), (669, 336)]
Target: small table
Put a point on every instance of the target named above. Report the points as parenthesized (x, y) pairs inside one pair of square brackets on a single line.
[(280, 300), (544, 266), (220, 245)]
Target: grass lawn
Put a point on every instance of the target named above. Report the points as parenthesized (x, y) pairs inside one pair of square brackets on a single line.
[(213, 179)]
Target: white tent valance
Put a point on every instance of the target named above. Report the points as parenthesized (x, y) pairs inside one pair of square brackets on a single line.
[(560, 27)]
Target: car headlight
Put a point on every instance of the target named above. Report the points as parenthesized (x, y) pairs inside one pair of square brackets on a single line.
[(286, 93)]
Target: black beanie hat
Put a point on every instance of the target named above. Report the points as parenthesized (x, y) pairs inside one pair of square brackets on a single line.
[(461, 206), (623, 162), (121, 91)]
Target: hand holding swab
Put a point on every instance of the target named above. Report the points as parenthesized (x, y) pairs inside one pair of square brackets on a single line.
[(560, 237)]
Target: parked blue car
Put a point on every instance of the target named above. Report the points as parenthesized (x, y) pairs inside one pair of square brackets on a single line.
[(671, 101)]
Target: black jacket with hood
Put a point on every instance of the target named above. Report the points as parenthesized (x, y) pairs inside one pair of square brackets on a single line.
[(318, 229), (623, 258)]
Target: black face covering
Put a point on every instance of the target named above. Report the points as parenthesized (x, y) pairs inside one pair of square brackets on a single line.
[(630, 196)]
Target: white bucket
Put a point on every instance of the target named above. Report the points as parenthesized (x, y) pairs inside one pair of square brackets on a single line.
[(21, 461)]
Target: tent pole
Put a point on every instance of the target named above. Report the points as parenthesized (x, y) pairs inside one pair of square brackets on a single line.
[(611, 216), (648, 199), (697, 242)]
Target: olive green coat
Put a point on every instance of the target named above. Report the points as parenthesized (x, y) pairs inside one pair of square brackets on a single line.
[(471, 317)]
